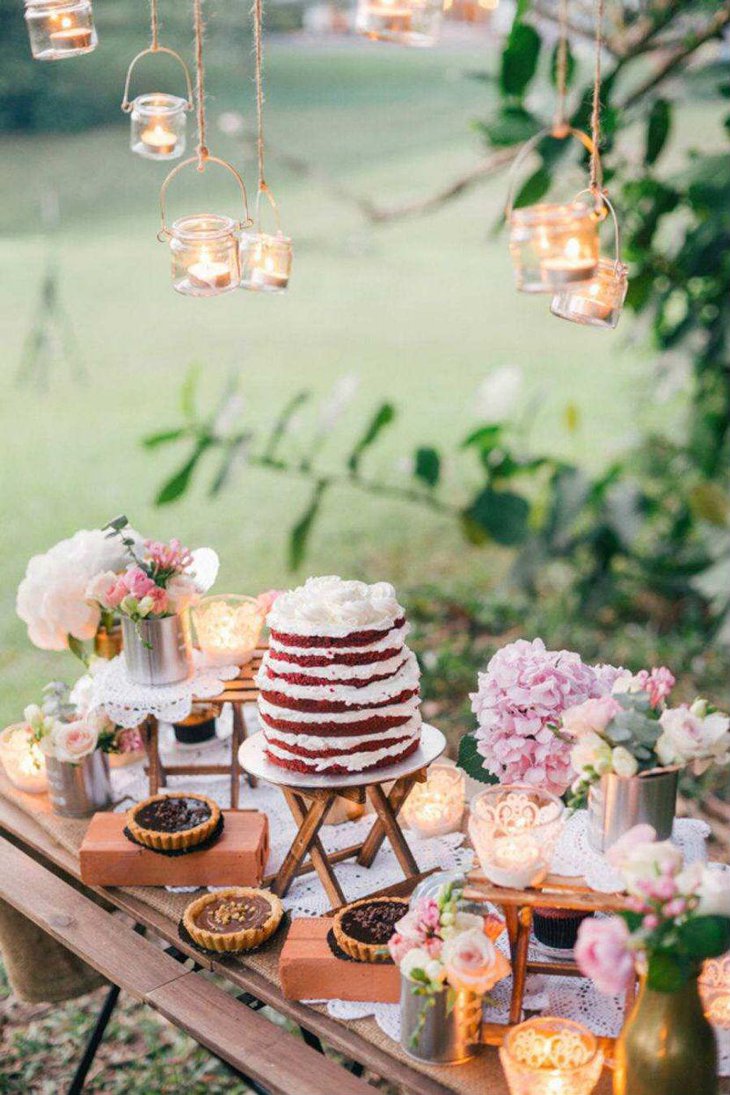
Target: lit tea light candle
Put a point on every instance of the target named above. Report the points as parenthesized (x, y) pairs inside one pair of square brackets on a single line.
[(514, 829), (265, 261), (597, 302), (436, 806), (266, 276), (70, 36), (394, 17), (228, 628), (158, 140), (551, 1056), (570, 266), (22, 759), (208, 274)]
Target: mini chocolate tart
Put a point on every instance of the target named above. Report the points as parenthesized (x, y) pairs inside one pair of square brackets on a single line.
[(362, 930), (173, 822), (236, 919)]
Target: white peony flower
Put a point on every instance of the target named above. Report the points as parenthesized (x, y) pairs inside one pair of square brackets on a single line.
[(52, 597), (624, 763), (72, 741), (689, 735), (591, 751)]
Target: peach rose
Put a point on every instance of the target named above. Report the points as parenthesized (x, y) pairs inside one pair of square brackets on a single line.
[(469, 959), (72, 741)]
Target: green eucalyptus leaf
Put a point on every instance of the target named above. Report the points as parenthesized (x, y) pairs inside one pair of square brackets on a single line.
[(472, 761), (382, 418), (428, 466)]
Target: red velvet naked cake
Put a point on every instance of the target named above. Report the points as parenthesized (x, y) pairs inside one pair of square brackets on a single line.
[(338, 686)]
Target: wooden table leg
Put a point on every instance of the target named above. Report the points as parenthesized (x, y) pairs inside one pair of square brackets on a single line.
[(398, 794), (237, 739), (392, 829), (155, 770), (519, 963), (317, 854), (308, 831)]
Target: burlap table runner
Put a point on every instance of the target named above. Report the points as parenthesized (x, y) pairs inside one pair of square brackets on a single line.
[(481, 1076)]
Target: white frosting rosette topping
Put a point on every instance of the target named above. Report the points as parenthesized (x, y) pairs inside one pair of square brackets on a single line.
[(334, 607)]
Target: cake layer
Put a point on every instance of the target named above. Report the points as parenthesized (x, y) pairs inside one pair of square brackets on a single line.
[(346, 721), (335, 673), (337, 697), (386, 646), (313, 743), (333, 706), (369, 745), (359, 762), (346, 639)]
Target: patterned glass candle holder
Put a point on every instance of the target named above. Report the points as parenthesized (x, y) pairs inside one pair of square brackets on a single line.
[(407, 22), (265, 262), (158, 126), (553, 246), (436, 806), (204, 250), (595, 303), (60, 28), (22, 759), (551, 1056), (714, 985), (228, 628), (514, 829)]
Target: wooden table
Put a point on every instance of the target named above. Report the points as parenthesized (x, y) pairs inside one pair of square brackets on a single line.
[(270, 1058)]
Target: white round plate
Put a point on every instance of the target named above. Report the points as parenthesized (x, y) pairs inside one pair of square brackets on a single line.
[(253, 760)]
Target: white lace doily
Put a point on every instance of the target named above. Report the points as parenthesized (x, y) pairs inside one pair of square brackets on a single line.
[(574, 855), (128, 703)]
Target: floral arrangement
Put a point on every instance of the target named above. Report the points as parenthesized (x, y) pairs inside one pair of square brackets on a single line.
[(437, 946), (68, 730), (632, 731), (520, 699), (679, 915)]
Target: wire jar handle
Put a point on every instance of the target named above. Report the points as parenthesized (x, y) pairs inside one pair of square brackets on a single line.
[(600, 195), (164, 232), (126, 105), (264, 191), (559, 134)]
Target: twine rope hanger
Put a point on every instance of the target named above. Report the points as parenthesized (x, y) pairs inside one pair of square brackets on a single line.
[(257, 12), (595, 182), (202, 148), (155, 25), (560, 123)]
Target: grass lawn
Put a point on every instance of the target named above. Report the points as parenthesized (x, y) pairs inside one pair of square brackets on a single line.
[(421, 310)]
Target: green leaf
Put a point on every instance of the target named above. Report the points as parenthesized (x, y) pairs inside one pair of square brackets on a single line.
[(710, 502), (534, 188), (657, 130), (428, 466), (299, 535), (512, 125), (473, 762), (382, 418), (188, 392), (162, 438), (77, 647), (178, 483), (706, 936), (283, 422), (667, 972), (519, 59), (485, 438), (502, 514), (230, 452)]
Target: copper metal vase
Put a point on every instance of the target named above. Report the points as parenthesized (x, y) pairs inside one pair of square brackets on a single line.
[(108, 641), (667, 1046)]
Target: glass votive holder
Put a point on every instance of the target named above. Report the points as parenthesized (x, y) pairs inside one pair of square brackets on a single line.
[(597, 302), (514, 829), (436, 806), (158, 126), (553, 245), (407, 22), (228, 628), (60, 28), (23, 759), (551, 1056), (265, 262), (204, 248)]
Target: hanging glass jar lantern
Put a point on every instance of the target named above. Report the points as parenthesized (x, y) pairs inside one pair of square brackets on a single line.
[(157, 118), (599, 301), (204, 246), (60, 28), (407, 22), (265, 259), (551, 244)]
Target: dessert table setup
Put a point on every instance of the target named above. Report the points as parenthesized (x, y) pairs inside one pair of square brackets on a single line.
[(250, 782)]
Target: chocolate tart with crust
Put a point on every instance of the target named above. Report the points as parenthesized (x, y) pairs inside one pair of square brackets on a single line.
[(362, 930), (232, 920), (168, 823)]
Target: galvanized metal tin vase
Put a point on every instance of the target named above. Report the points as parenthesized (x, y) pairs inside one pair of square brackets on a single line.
[(157, 651), (617, 803), (79, 790), (431, 1031)]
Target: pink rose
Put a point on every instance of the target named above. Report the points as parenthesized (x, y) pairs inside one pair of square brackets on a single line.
[(409, 928), (470, 961), (602, 953), (72, 741), (138, 583), (155, 602), (102, 589), (590, 716), (399, 946)]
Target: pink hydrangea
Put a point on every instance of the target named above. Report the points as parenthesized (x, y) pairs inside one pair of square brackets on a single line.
[(520, 699)]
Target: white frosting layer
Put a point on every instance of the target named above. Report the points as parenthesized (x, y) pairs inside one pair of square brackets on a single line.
[(393, 710), (405, 679), (339, 672), (394, 640), (313, 743), (333, 607), (355, 762)]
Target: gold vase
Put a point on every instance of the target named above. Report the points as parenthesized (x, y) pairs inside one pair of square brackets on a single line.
[(667, 1046), (108, 641)]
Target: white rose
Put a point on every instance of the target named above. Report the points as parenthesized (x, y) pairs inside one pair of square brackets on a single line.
[(590, 751), (72, 741), (649, 860), (688, 736), (623, 762), (461, 922), (435, 970), (416, 959), (714, 892)]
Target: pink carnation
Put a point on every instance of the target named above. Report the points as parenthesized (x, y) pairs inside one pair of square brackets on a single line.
[(602, 953), (138, 583), (173, 556)]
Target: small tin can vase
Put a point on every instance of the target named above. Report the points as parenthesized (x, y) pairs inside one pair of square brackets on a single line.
[(618, 803), (157, 651), (108, 641), (79, 790), (437, 1029)]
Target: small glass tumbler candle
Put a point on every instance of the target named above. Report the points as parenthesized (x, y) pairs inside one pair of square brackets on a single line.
[(514, 829), (228, 628), (436, 806), (408, 22), (265, 262), (60, 28), (597, 302), (714, 986), (22, 759), (158, 126), (553, 246), (551, 1056), (204, 250)]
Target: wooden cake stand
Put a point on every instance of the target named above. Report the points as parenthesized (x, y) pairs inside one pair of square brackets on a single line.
[(309, 797)]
